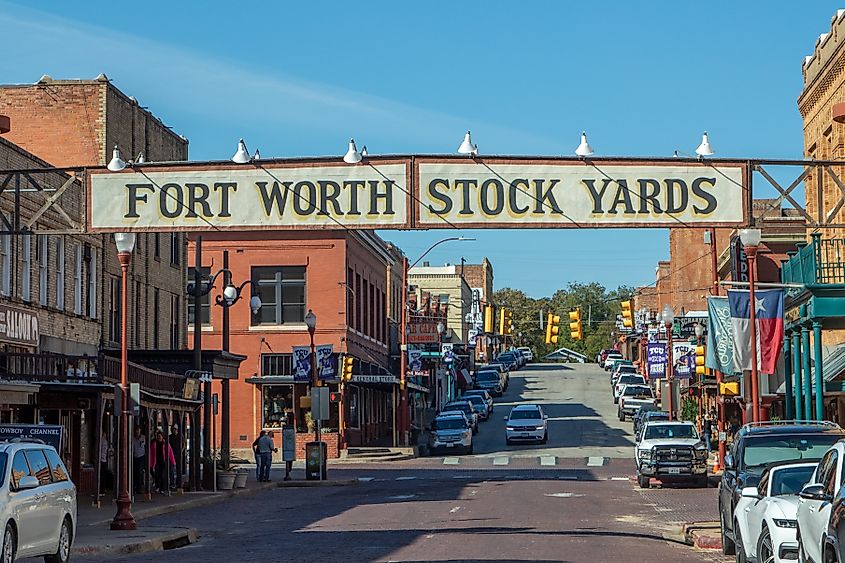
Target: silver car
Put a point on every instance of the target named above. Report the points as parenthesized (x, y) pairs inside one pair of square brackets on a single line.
[(527, 423), (37, 503)]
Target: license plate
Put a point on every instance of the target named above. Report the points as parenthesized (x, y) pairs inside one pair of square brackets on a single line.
[(674, 471), (449, 445), (525, 434)]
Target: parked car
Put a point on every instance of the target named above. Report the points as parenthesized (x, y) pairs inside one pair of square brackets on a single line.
[(758, 445), (490, 380), (480, 405), (466, 407), (633, 397), (834, 543), (815, 503), (610, 358), (483, 394), (614, 365), (602, 356), (526, 351), (671, 451), (507, 359), (526, 422), (765, 517), (502, 369), (626, 379), (37, 502), (451, 431), (621, 368), (647, 414)]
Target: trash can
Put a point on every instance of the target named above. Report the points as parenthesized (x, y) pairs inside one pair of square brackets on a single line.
[(315, 460)]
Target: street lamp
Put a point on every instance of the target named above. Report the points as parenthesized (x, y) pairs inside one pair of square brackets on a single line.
[(123, 518), (668, 318), (311, 323), (750, 242)]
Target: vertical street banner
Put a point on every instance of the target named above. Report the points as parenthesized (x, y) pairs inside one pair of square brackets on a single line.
[(720, 341), (326, 362), (447, 352), (768, 306), (414, 359), (681, 353), (656, 359), (302, 364)]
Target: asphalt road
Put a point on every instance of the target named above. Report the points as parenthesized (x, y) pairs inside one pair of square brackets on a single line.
[(504, 504)]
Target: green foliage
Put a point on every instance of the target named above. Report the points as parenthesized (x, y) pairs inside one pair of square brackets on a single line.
[(689, 409), (599, 308)]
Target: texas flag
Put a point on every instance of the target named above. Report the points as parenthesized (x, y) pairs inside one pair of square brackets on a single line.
[(768, 306)]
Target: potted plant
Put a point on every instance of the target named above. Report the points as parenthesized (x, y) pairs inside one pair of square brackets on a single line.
[(241, 475), (226, 474)]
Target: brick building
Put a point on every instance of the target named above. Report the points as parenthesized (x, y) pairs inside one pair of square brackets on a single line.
[(347, 279), (447, 284)]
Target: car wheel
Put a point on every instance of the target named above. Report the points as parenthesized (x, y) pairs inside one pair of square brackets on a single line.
[(62, 554), (469, 449), (739, 548), (615, 401), (644, 481), (802, 558), (10, 544), (545, 437), (621, 416), (765, 550), (508, 441), (728, 546)]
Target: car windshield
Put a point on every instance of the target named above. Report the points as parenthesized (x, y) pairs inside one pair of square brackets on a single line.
[(760, 451), (451, 423), (463, 407), (790, 480), (638, 391), (476, 400), (522, 414), (631, 379), (657, 432), (487, 376)]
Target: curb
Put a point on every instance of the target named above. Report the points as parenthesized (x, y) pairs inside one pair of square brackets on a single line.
[(305, 484), (703, 535), (166, 540)]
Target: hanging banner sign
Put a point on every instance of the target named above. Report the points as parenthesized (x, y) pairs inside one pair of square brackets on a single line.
[(326, 362), (578, 194), (413, 192), (302, 364), (656, 359)]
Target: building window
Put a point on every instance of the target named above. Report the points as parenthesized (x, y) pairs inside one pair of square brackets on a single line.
[(205, 300), (282, 293), (60, 272), (350, 298), (114, 309), (175, 249), (276, 364), (26, 267), (277, 401), (174, 322), (157, 245), (43, 243), (92, 284), (6, 264), (382, 318), (77, 279), (367, 298), (156, 323), (138, 300), (359, 321)]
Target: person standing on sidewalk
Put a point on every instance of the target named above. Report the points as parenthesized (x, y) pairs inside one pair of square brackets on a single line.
[(178, 445), (161, 458), (139, 452), (257, 455), (707, 430), (266, 447)]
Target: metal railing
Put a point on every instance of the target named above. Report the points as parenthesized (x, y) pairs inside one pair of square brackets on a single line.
[(819, 262)]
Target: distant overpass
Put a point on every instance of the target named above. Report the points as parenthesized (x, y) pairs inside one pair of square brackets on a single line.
[(566, 354)]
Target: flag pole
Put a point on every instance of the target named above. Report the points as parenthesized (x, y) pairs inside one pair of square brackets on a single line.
[(751, 253)]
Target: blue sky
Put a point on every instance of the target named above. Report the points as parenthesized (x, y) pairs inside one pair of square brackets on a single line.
[(300, 78)]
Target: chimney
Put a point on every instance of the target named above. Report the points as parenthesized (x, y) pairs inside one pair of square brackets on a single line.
[(5, 124), (426, 264)]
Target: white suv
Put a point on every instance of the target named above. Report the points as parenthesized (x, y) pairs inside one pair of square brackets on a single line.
[(37, 503), (526, 422)]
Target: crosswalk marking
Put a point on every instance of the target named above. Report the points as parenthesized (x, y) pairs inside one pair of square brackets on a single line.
[(406, 478), (366, 479), (547, 460), (594, 461), (501, 460), (451, 461)]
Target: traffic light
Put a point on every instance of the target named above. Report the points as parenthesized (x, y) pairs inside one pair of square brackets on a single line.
[(346, 370), (575, 330), (552, 328), (334, 397), (729, 389), (700, 369), (627, 318), (488, 319), (505, 321)]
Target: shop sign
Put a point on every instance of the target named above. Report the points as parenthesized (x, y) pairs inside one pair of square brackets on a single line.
[(414, 360), (415, 192), (422, 332), (18, 326), (191, 390), (792, 315), (739, 261), (685, 326), (48, 433), (388, 379), (447, 352)]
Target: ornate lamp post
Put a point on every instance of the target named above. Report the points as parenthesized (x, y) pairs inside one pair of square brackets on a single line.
[(750, 242), (123, 519), (311, 323), (668, 322)]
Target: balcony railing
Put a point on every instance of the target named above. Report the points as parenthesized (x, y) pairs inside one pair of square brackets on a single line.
[(60, 368), (820, 262)]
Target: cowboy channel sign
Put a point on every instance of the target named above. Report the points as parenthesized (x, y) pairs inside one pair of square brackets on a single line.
[(418, 192)]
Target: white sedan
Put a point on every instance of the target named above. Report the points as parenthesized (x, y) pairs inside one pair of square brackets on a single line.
[(766, 515)]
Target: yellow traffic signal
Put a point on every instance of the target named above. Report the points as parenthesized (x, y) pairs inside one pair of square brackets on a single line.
[(488, 319), (505, 321), (346, 371), (700, 352), (627, 318), (552, 328), (575, 330), (730, 389)]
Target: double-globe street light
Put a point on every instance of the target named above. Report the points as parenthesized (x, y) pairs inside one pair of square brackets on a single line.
[(311, 324), (750, 239), (668, 319)]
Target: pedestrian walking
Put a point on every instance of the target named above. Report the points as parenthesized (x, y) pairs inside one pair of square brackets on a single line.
[(161, 459), (139, 453), (708, 430), (106, 475), (257, 455), (265, 447), (179, 446)]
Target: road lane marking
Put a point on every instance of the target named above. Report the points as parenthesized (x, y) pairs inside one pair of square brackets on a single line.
[(620, 479), (563, 495), (568, 477), (594, 461), (401, 497), (451, 461), (501, 460), (547, 460), (406, 478), (366, 479), (454, 510)]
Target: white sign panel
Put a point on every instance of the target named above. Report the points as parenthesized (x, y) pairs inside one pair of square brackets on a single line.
[(578, 194), (251, 197)]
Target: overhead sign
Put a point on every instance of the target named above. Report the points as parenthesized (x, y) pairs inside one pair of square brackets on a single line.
[(418, 193), (48, 433), (422, 332), (685, 326), (739, 260), (18, 326)]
